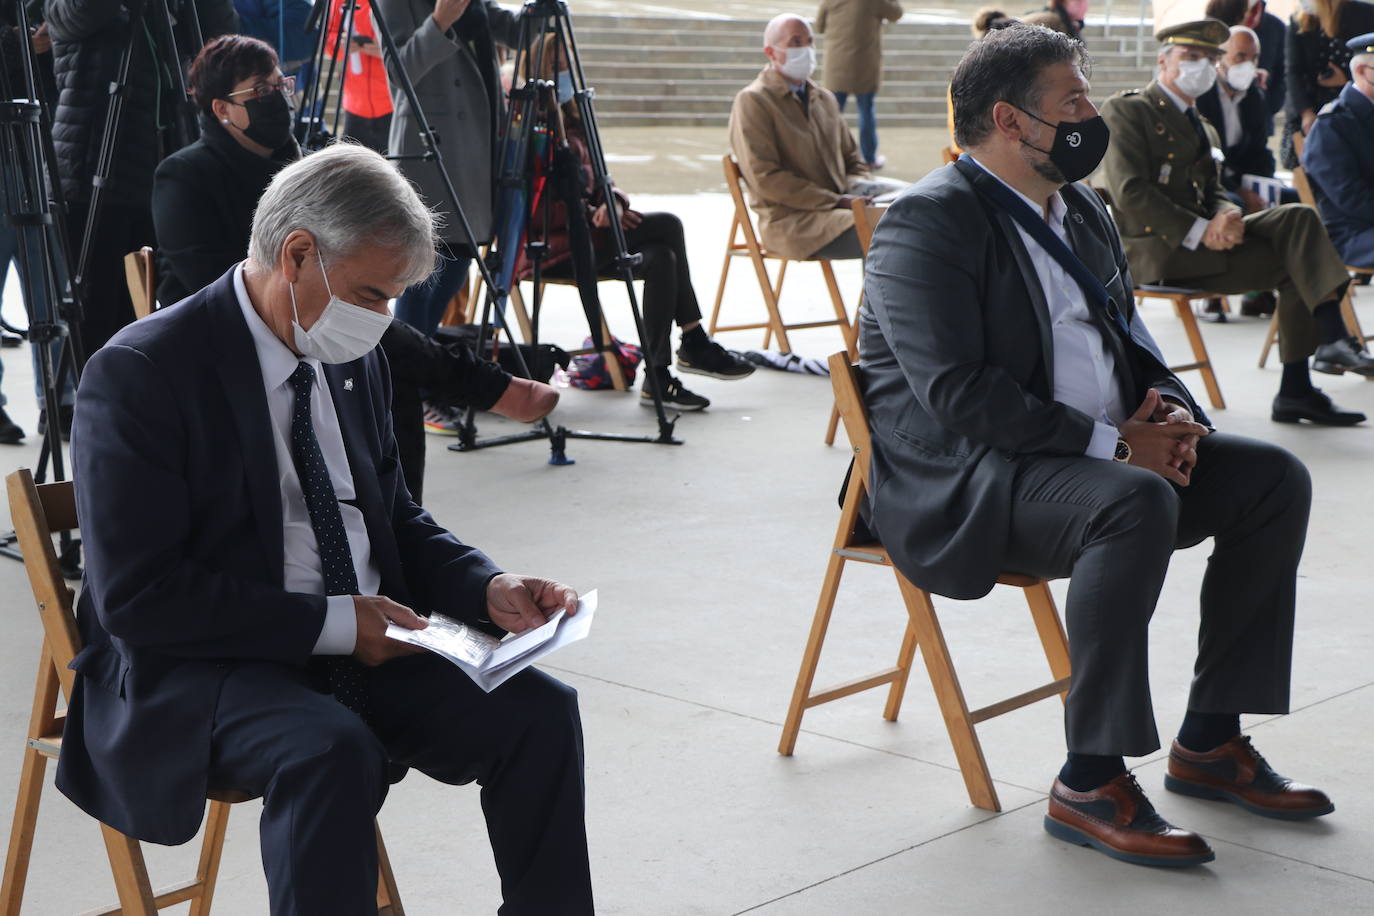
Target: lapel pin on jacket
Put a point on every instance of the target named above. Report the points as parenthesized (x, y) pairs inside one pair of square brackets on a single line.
[(348, 384)]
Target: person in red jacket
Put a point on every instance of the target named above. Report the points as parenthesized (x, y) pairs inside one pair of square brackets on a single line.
[(366, 95)]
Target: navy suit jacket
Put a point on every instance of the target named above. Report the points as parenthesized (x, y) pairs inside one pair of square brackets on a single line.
[(1339, 158), (958, 371), (1250, 155), (180, 511)]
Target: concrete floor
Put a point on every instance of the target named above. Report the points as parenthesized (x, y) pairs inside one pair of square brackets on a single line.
[(708, 557)]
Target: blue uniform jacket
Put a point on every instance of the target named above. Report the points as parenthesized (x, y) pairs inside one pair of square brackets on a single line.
[(1339, 159)]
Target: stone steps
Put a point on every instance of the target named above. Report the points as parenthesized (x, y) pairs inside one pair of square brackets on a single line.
[(667, 71)]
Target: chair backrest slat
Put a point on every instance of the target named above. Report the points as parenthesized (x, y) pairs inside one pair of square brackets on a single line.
[(734, 180), (866, 218), (844, 378)]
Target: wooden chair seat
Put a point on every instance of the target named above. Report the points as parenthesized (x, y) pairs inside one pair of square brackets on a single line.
[(37, 512), (743, 242), (923, 625)]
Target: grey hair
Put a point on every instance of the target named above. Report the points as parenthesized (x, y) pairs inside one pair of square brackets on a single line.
[(346, 196), (1363, 59)]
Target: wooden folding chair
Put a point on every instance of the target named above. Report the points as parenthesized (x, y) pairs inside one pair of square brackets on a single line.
[(923, 626), (866, 216), (1183, 300), (948, 155), (37, 512), (142, 279), (1352, 321), (743, 242)]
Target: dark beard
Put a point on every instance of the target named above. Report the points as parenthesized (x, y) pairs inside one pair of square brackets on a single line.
[(1048, 171)]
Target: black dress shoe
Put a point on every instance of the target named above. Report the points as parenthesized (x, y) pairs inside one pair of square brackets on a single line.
[(1314, 407), (1341, 356), (10, 433), (1213, 312), (1258, 305)]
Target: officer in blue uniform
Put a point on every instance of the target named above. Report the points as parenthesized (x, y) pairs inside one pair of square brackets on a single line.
[(1339, 159)]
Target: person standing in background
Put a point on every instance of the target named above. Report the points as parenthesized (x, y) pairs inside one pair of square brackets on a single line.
[(366, 94), (854, 60), (1065, 16)]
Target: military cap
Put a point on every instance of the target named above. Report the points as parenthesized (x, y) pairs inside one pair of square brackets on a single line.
[(1361, 44), (1204, 34)]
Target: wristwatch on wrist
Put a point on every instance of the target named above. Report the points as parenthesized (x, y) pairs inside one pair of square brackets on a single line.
[(1123, 451)]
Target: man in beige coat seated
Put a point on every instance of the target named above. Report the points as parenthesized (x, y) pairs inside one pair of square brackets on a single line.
[(798, 157)]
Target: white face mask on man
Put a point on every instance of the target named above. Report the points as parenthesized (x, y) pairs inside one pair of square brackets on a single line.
[(343, 332), (1195, 77), (1240, 76), (798, 63)]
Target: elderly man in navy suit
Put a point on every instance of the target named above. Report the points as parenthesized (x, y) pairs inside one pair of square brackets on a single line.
[(249, 536)]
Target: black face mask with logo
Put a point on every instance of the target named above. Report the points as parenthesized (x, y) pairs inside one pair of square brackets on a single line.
[(269, 120), (1078, 145)]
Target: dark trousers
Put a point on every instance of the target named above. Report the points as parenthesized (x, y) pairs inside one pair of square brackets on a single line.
[(322, 775), (119, 231), (373, 133), (422, 306), (1111, 528), (868, 123)]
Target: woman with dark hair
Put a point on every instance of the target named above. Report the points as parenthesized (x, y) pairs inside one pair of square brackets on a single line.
[(1318, 62), (1061, 15), (203, 202)]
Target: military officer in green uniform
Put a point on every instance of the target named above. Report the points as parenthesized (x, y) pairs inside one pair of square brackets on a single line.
[(1179, 229)]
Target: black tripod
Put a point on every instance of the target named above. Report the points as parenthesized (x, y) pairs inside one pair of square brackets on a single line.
[(30, 200), (311, 132), (496, 292), (187, 129), (545, 30)]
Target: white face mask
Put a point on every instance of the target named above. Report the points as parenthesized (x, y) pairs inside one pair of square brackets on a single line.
[(343, 332), (1195, 77), (1308, 6), (1240, 76), (798, 64)]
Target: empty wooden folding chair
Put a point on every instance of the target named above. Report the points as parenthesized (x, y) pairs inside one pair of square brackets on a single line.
[(37, 512), (1183, 299), (923, 625)]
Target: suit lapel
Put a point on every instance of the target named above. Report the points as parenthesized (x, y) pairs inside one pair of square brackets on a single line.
[(1097, 257), (241, 375), (351, 394)]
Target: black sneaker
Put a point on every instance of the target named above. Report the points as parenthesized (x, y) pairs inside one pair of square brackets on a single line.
[(1340, 356), (674, 395), (10, 433), (715, 361)]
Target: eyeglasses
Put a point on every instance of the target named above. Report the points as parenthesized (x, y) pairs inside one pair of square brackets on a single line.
[(286, 87)]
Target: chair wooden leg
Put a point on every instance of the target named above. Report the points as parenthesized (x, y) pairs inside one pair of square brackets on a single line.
[(211, 851), (945, 681), (388, 894), (617, 372), (1209, 377), (1352, 321), (1269, 339), (724, 272), (834, 424), (847, 327), (1051, 629), (806, 676), (130, 873), (771, 295), (904, 658), (22, 831)]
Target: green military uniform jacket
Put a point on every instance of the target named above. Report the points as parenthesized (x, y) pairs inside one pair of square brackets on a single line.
[(1160, 182)]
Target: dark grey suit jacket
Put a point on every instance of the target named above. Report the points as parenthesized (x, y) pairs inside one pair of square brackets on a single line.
[(958, 371)]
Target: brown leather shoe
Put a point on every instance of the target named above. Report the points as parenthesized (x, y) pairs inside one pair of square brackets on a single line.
[(1237, 773), (1119, 820)]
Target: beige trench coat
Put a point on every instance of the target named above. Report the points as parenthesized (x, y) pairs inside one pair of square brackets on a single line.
[(796, 164), (853, 31)]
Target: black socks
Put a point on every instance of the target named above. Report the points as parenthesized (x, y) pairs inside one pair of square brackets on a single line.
[(1330, 326), (1296, 381), (695, 340), (1205, 731), (1085, 772)]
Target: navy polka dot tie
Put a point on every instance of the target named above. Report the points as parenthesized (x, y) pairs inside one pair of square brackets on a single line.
[(336, 559)]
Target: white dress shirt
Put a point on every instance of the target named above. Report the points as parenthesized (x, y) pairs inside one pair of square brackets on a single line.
[(300, 548), (1084, 367), (1194, 236), (1230, 113)]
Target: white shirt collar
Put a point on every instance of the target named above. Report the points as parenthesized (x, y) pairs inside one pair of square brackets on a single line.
[(1175, 97), (275, 358), (1058, 209)]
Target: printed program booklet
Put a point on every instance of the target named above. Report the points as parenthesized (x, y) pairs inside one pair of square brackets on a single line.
[(489, 661)]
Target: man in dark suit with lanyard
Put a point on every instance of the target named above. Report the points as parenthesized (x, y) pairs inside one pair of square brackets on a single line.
[(248, 538), (1023, 420)]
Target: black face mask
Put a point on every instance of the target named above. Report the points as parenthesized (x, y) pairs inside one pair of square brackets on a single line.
[(269, 120), (1078, 145)]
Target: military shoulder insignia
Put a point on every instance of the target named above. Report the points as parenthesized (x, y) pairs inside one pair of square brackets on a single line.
[(1327, 108)]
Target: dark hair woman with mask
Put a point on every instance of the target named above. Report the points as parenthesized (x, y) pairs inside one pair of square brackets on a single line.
[(245, 118)]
